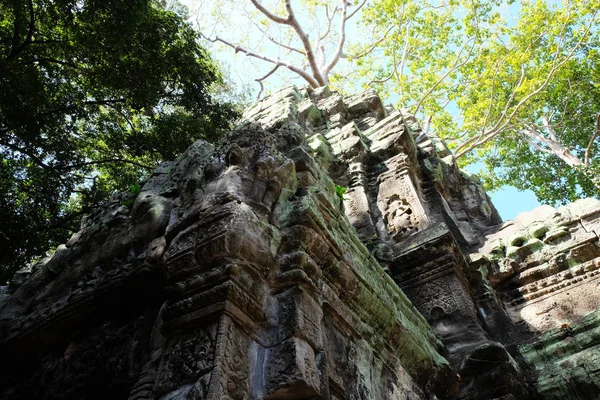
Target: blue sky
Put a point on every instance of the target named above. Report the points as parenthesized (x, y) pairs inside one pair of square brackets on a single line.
[(510, 202)]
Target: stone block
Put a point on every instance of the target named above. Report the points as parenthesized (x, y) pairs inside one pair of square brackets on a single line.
[(300, 316), (292, 371)]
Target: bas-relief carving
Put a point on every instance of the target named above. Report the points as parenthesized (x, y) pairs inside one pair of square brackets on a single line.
[(187, 357), (432, 295), (268, 292), (233, 363), (401, 220), (292, 370), (399, 203)]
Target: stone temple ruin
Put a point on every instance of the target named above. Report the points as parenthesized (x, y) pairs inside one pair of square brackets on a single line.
[(241, 274)]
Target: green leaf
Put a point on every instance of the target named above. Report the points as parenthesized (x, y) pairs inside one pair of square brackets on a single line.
[(340, 191)]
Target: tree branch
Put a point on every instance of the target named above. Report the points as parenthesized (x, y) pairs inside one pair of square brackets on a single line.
[(512, 97), (489, 110), (486, 135), (30, 30), (505, 120), (105, 161), (384, 80), (405, 50), (293, 22), (264, 32), (56, 61), (357, 10), (399, 64), (588, 150), (454, 67), (271, 16), (285, 46), (85, 103), (555, 67), (33, 157), (60, 222), (530, 132), (340, 47), (312, 81), (372, 47), (536, 146), (329, 21), (556, 148), (549, 128), (259, 80)]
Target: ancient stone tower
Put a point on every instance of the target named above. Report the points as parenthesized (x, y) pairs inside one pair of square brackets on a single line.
[(244, 272)]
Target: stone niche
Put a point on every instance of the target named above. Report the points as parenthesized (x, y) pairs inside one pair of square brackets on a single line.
[(241, 273)]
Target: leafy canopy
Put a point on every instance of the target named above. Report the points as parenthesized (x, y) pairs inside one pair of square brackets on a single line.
[(514, 86), (93, 94)]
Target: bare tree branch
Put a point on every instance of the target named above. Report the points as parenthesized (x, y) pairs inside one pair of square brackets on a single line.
[(279, 62), (291, 49), (353, 13), (329, 21), (271, 16), (320, 67), (293, 22), (273, 40), (259, 80), (340, 46)]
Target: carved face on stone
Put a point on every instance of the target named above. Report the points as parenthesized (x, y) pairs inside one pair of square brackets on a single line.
[(401, 220)]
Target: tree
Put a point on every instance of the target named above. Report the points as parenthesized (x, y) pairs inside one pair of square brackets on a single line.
[(291, 31), (526, 92), (93, 94)]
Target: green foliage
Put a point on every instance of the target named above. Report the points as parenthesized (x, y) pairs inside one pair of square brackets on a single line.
[(512, 85), (372, 239), (134, 191), (340, 191), (93, 94)]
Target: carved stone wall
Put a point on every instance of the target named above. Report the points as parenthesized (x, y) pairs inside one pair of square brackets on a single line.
[(545, 266), (241, 273), (234, 276)]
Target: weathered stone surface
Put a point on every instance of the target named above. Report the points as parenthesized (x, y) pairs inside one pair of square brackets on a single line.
[(545, 265), (240, 273), (235, 275)]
